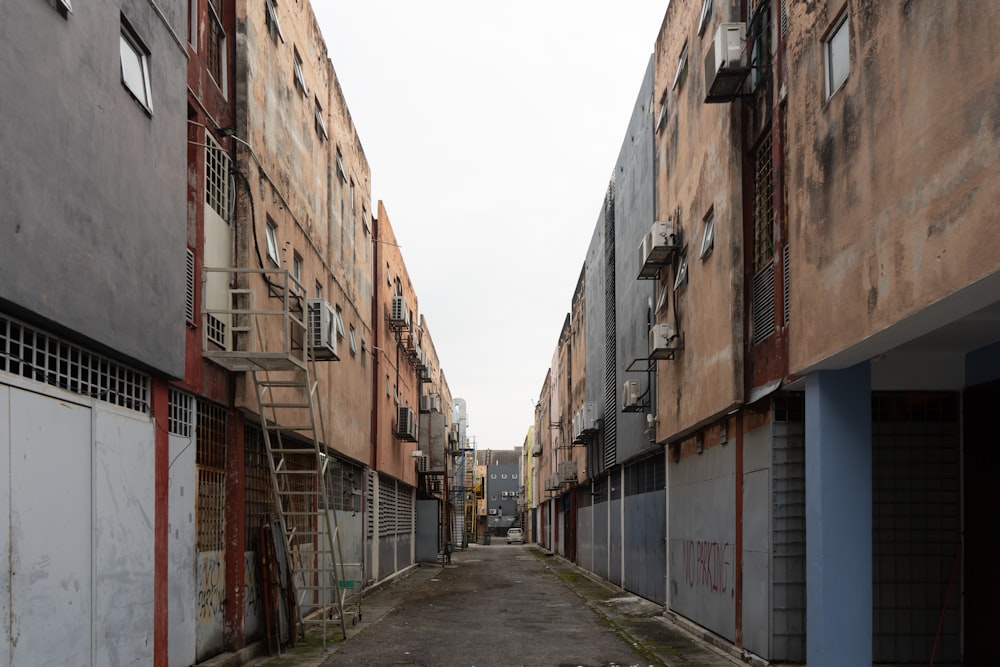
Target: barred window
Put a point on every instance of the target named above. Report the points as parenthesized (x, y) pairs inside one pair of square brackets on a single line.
[(763, 205), (216, 177), (181, 413), (210, 460), (216, 45), (36, 355)]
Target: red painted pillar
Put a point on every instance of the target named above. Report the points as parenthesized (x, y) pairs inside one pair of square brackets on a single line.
[(235, 637), (159, 405)]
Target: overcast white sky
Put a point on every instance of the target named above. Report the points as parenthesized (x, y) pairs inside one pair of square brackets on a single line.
[(491, 129)]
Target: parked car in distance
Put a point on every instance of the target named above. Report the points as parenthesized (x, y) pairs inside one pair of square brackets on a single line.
[(515, 535)]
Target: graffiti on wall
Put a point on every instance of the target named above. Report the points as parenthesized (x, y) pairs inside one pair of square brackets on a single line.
[(211, 602), (709, 566), (253, 604)]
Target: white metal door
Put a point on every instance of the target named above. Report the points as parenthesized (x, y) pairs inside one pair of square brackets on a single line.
[(49, 522)]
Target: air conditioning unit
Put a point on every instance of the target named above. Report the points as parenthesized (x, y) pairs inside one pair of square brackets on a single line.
[(322, 326), (656, 248), (399, 314), (664, 341), (423, 463), (725, 63), (406, 424), (631, 396), (429, 403), (589, 417), (578, 427), (567, 472)]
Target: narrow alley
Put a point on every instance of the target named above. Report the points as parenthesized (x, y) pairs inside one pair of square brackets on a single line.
[(505, 605)]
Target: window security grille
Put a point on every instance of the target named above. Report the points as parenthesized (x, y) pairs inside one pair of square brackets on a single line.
[(210, 460), (181, 413), (404, 510), (216, 330), (216, 177), (786, 276), (258, 494), (386, 507), (369, 503), (33, 354), (763, 205), (189, 291)]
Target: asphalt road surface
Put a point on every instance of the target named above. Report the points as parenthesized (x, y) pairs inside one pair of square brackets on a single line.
[(493, 606)]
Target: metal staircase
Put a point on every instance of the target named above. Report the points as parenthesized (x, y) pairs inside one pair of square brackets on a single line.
[(283, 371)]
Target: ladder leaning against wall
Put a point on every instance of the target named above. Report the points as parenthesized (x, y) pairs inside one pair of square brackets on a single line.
[(279, 345)]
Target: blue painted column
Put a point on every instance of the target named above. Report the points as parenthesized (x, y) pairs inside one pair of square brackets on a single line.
[(839, 518)]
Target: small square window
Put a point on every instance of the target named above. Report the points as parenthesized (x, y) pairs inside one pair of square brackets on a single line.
[(682, 68), (300, 79), (708, 235), (271, 17), (503, 476), (135, 67), (837, 50), (354, 342), (272, 244), (514, 476)]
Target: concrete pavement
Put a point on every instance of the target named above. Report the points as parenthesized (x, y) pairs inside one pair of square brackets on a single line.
[(501, 605)]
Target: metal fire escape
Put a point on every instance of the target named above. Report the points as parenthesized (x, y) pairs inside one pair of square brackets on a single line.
[(278, 345)]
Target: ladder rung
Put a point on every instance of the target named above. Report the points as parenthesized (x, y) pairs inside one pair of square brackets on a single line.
[(281, 383)]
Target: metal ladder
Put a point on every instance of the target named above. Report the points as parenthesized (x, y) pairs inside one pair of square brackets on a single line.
[(287, 402)]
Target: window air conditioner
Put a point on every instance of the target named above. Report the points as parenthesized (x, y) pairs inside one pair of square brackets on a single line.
[(399, 313), (567, 472), (631, 397), (322, 329), (725, 63), (656, 248), (663, 341), (406, 424), (578, 427)]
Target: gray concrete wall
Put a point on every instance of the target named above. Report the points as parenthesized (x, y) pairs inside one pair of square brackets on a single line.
[(634, 213), (702, 539), (93, 186), (594, 339)]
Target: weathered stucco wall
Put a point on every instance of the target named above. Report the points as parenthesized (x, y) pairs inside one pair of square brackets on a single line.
[(309, 178), (893, 180), (698, 169)]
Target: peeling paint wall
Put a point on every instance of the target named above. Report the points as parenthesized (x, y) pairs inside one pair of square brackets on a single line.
[(893, 180), (698, 170)]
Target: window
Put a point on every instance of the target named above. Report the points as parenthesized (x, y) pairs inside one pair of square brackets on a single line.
[(663, 113), (320, 124), (493, 476), (340, 323), (216, 45), (217, 165), (271, 17), (341, 174), (503, 476), (272, 243), (135, 67), (352, 197), (364, 353), (193, 24), (319, 290), (297, 270), (64, 7), (354, 343), (708, 235), (837, 50), (706, 14), (513, 476), (300, 79), (763, 205), (682, 68), (681, 279)]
